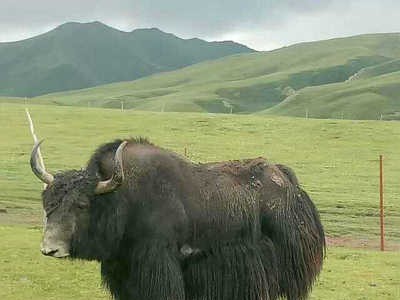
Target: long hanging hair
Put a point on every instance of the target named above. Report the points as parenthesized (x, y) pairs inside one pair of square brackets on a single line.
[(293, 224), (236, 262)]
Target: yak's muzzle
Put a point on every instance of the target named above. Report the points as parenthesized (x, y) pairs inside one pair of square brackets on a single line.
[(53, 246), (54, 252)]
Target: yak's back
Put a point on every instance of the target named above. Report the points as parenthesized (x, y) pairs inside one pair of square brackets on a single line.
[(256, 173)]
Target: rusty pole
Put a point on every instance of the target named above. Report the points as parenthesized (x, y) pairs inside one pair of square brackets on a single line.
[(381, 203)]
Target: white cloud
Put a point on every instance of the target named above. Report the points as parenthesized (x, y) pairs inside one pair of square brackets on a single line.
[(353, 18), (262, 24)]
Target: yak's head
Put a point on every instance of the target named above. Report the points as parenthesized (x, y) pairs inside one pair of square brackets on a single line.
[(67, 200)]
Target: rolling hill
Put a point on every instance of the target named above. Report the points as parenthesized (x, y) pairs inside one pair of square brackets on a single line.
[(354, 78), (373, 98), (80, 55), (380, 69), (268, 82)]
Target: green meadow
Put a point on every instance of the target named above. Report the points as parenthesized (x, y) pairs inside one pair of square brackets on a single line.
[(335, 160), (26, 274)]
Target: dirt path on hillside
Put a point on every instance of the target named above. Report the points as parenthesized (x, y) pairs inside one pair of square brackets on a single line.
[(367, 244)]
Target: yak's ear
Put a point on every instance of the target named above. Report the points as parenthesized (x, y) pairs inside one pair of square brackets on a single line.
[(117, 178)]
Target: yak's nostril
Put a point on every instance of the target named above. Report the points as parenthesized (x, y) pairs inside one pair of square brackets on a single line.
[(49, 252)]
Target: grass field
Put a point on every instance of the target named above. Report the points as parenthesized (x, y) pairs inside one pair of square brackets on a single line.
[(336, 161), (26, 274)]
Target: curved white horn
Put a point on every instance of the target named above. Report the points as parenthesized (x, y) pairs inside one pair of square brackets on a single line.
[(117, 178), (37, 168)]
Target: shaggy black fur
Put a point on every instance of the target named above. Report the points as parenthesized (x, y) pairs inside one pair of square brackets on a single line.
[(255, 234)]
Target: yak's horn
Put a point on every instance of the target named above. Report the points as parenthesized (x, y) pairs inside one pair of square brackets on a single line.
[(116, 179), (37, 168)]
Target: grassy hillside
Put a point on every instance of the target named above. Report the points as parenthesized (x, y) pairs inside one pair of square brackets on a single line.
[(76, 55), (336, 161), (244, 83), (372, 98), (380, 69)]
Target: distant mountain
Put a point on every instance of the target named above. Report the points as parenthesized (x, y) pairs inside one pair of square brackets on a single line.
[(353, 78), (80, 55)]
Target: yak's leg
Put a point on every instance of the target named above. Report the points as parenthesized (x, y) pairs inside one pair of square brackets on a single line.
[(234, 271), (155, 273)]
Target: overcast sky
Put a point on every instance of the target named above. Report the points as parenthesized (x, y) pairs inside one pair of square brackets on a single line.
[(260, 24)]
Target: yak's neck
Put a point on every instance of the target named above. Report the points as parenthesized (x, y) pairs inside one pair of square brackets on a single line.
[(106, 229)]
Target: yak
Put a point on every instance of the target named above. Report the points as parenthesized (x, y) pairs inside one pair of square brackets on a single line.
[(165, 228)]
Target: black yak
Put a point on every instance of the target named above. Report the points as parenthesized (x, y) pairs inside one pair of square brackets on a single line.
[(164, 228)]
